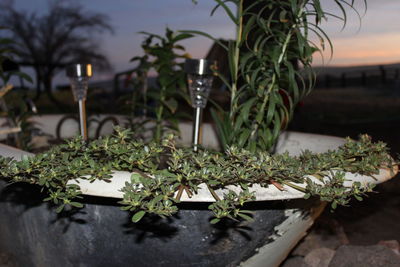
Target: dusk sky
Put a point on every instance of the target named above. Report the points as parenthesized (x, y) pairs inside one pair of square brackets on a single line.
[(376, 41)]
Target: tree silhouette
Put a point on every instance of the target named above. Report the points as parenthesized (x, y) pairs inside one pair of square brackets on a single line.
[(50, 42)]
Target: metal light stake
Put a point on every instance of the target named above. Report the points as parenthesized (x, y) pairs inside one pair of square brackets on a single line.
[(200, 78), (79, 75)]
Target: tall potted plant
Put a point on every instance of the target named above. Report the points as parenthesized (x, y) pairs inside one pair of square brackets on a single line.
[(269, 65)]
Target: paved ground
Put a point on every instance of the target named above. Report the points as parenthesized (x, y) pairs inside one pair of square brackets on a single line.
[(340, 114)]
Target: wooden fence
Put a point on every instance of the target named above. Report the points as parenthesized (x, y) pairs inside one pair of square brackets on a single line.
[(381, 76)]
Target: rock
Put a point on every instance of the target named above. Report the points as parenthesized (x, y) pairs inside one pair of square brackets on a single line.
[(5, 260), (391, 186), (316, 240), (296, 261), (392, 244), (39, 141), (320, 257), (374, 219), (326, 233), (365, 256)]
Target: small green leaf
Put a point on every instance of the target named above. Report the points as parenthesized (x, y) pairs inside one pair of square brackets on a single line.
[(181, 36), (213, 182), (60, 208), (171, 104), (215, 220), (228, 11), (138, 216), (246, 217), (282, 16), (136, 178), (208, 36), (76, 204)]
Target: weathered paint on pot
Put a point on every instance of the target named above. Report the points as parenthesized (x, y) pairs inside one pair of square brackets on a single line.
[(102, 235)]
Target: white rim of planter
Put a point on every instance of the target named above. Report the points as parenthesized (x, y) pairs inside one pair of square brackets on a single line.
[(119, 178)]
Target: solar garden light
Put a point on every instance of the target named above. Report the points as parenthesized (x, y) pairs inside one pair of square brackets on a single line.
[(79, 75), (200, 78)]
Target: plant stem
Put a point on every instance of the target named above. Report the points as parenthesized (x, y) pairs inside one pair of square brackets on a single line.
[(215, 196), (275, 80), (188, 192), (159, 115), (239, 30), (277, 185), (180, 191), (297, 187)]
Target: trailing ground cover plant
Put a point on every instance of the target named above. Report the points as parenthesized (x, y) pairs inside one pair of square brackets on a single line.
[(158, 105), (269, 65), (163, 172)]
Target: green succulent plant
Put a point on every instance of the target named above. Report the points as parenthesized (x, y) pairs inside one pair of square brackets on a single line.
[(163, 172)]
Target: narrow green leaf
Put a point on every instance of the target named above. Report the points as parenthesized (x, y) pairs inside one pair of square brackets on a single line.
[(181, 37), (244, 111), (214, 221), (223, 127), (76, 204), (138, 216), (246, 217), (271, 107), (228, 11), (232, 60), (206, 35), (60, 208), (171, 104), (244, 136)]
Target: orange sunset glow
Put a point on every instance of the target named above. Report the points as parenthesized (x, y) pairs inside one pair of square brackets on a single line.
[(360, 50)]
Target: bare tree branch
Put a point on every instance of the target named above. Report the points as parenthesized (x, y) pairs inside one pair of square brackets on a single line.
[(66, 34)]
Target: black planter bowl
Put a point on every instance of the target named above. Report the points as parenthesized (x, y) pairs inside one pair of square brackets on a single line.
[(102, 235)]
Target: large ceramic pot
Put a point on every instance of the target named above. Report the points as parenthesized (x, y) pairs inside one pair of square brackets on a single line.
[(102, 235)]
